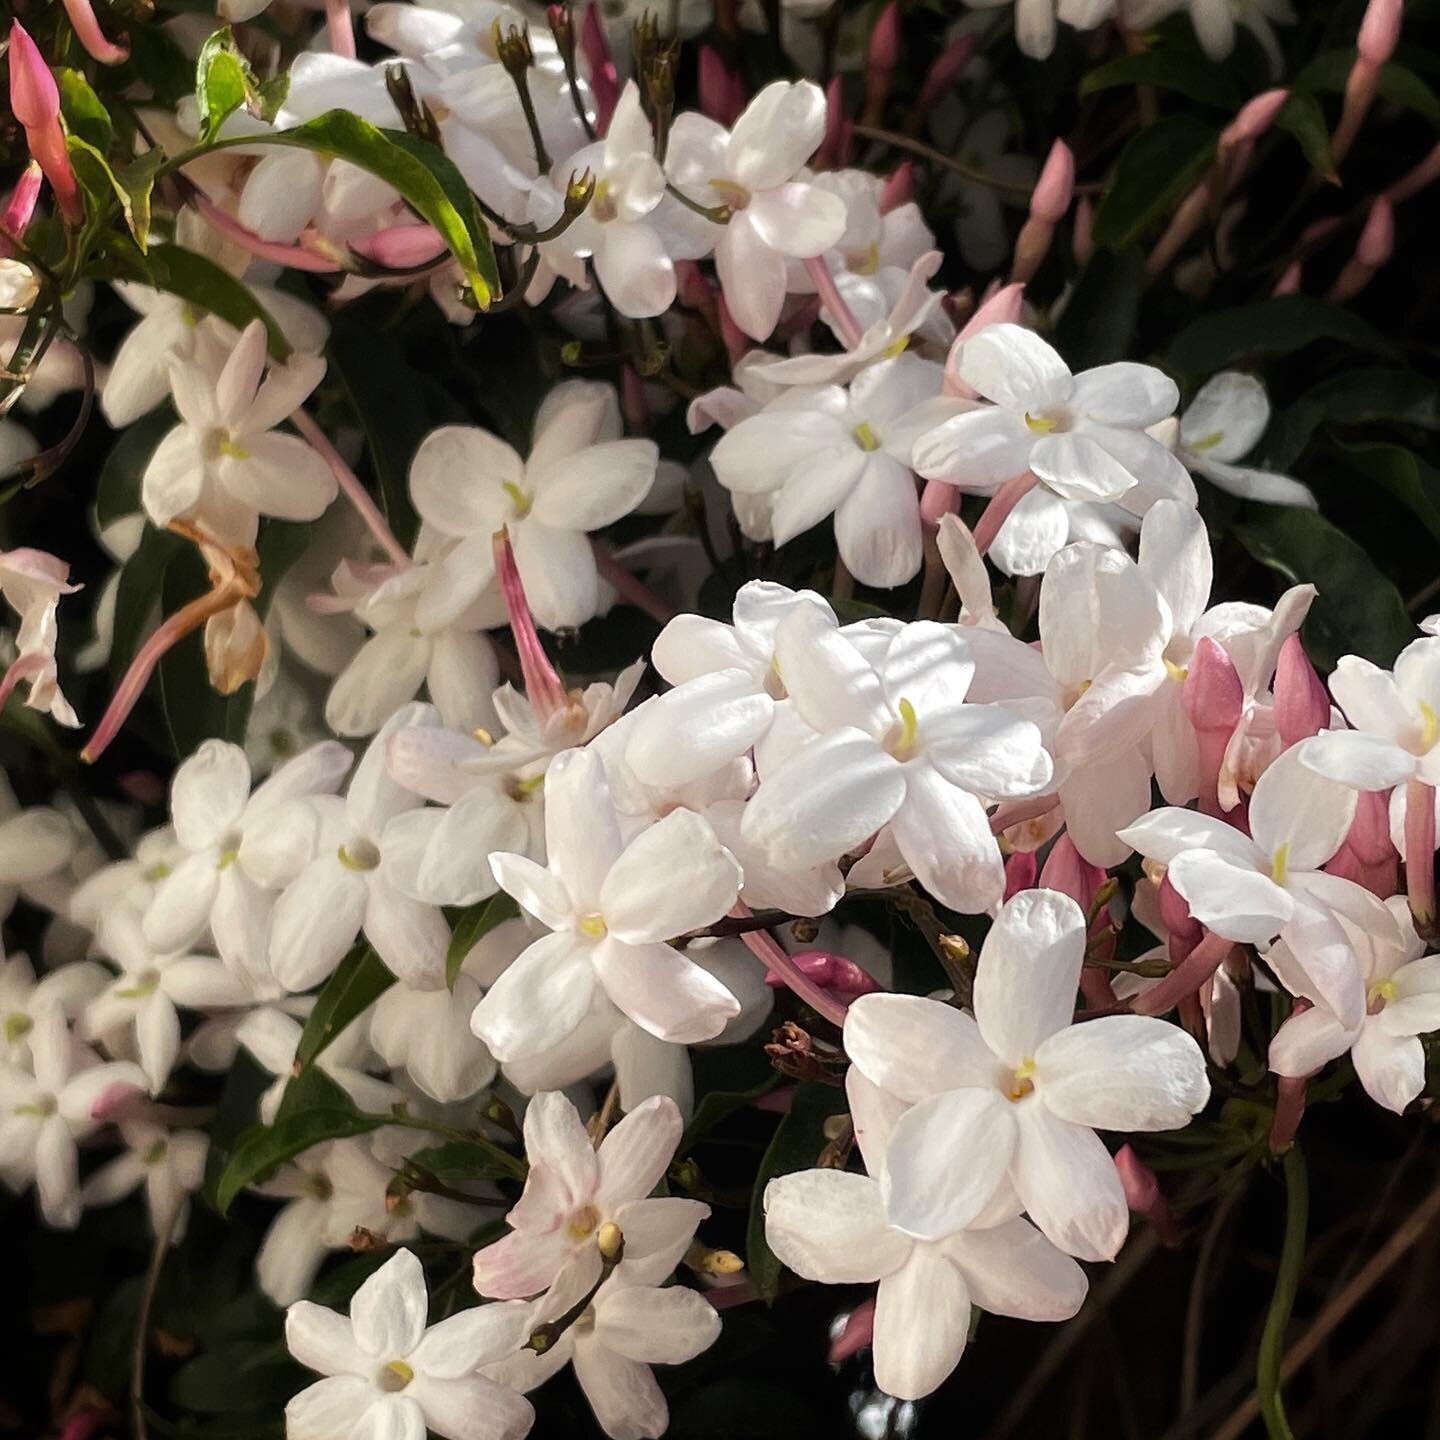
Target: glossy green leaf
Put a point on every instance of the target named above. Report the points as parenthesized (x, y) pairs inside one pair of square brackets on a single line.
[(468, 1160), (1357, 610), (359, 980), (1184, 69), (1279, 326), (1353, 397), (264, 1148), (472, 926), (137, 595), (1153, 174), (797, 1144), (117, 493), (224, 82), (83, 111), (1404, 475), (1098, 323), (206, 285), (1302, 117), (1398, 83)]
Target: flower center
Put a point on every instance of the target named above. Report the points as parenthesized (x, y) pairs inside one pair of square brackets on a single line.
[(229, 852), (17, 1026), (737, 197), (1021, 1083), (583, 1222), (146, 983), (393, 1376), (1381, 993), (865, 437), (602, 203), (1280, 864), (1206, 442), (863, 262), (521, 499), (592, 925), (1430, 729), (902, 737), (359, 855), (1176, 672), (41, 1107), (156, 1153)]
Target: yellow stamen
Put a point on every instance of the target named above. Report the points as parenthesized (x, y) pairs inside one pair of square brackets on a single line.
[(227, 859), (1381, 993), (401, 1371), (1021, 1084), (157, 872), (230, 448), (1280, 865), (583, 1222), (896, 347), (521, 500), (17, 1026), (864, 262), (593, 926), (364, 856), (1430, 732), (865, 437), (156, 1153), (1208, 442), (610, 1241), (147, 984), (483, 736), (1176, 672), (1039, 423)]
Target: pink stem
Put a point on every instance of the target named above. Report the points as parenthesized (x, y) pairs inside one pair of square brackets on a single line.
[(629, 586), (849, 328), (1289, 1110), (1420, 853), (1002, 502), (296, 257), (1186, 978), (341, 26), (1016, 812), (543, 686), (769, 951), (349, 482)]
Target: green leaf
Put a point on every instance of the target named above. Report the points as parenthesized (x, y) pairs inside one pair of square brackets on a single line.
[(796, 1145), (1279, 326), (359, 980), (1099, 320), (208, 286), (468, 1160), (244, 1375), (137, 596), (1187, 71), (117, 493), (102, 186), (1357, 611), (1404, 475), (472, 926), (224, 82), (311, 1089), (1354, 397), (137, 180), (84, 113), (1302, 117), (1154, 172), (422, 173), (264, 1148)]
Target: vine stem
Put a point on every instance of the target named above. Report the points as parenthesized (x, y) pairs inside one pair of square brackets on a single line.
[(349, 482), (1287, 1282), (163, 1233)]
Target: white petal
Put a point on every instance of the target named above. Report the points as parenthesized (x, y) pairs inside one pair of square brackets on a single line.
[(664, 992), (914, 1047), (594, 489), (656, 1327), (830, 1226), (1069, 1185), (944, 835), (635, 1154), (1012, 1269), (322, 1340), (208, 793), (1014, 367), (640, 900), (538, 1001), (1234, 901), (1294, 807), (1391, 1070), (922, 1318), (388, 1310), (456, 480)]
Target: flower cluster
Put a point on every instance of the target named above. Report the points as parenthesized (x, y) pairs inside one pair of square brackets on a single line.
[(507, 785)]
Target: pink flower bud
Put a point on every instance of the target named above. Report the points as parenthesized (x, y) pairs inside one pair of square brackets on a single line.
[(938, 500), (1369, 835), (835, 147), (1144, 1196), (857, 1333), (1067, 871), (1302, 708), (1254, 117), (884, 52), (719, 88), (1003, 307), (88, 32), (693, 290), (1379, 31), (1056, 186), (1377, 239), (401, 247), (116, 1101), (604, 83), (1175, 915), (20, 207), (1417, 179), (34, 96), (1289, 281), (1214, 697), (831, 972), (899, 189), (1021, 872), (946, 70)]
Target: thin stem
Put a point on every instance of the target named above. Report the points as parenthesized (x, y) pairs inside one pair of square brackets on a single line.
[(1189, 976), (772, 954), (849, 328), (716, 214), (163, 1232), (513, 1164), (1287, 1282), (349, 482), (938, 157), (1420, 853), (630, 587)]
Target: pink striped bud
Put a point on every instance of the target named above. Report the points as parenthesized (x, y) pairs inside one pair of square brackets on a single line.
[(938, 500), (1056, 186), (1302, 708), (899, 189), (1379, 31), (835, 147), (401, 247), (35, 103)]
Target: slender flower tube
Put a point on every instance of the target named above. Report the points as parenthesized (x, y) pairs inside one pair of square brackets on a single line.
[(881, 58), (35, 101), (769, 950), (850, 330), (350, 484), (604, 81), (834, 972), (858, 1332), (1186, 978), (1051, 198), (1302, 707), (1374, 45), (999, 506), (92, 37), (544, 688), (1420, 853), (1144, 1195), (1372, 250)]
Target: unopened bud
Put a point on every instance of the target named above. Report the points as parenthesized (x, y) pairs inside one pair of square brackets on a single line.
[(899, 189), (1377, 239), (955, 947), (512, 47), (704, 1261), (1056, 186), (1379, 31), (362, 1240), (1302, 708), (1213, 694), (610, 1241)]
